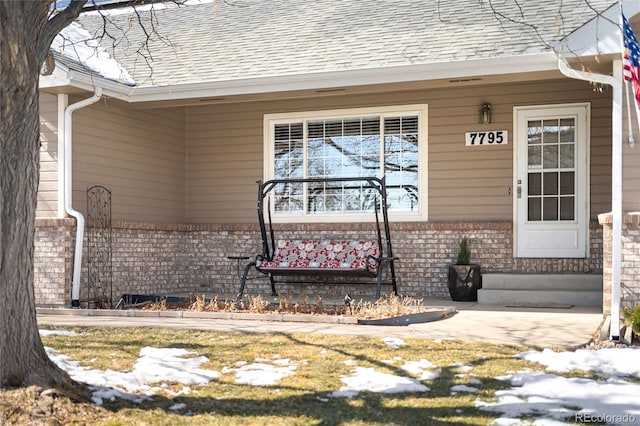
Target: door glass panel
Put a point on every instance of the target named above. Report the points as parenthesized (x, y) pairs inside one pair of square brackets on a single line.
[(550, 131), (567, 208), (550, 208), (567, 184), (534, 132), (534, 141), (551, 153), (568, 130), (566, 156), (535, 184), (550, 157), (535, 157), (534, 209), (550, 183)]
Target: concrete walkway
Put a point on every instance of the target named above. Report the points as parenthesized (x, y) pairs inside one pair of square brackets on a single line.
[(532, 327)]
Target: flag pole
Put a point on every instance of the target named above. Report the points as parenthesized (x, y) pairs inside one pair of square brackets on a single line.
[(616, 190)]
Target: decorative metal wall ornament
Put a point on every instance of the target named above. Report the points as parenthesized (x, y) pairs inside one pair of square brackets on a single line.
[(99, 248)]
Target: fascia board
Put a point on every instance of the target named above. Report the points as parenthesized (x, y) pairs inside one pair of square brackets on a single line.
[(599, 36), (449, 70), (62, 77), (59, 77), (109, 88), (314, 81)]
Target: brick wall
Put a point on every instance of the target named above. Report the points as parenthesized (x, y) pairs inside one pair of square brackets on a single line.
[(166, 259), (53, 261), (149, 259), (629, 261)]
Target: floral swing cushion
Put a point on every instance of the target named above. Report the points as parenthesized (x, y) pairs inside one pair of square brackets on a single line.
[(324, 254)]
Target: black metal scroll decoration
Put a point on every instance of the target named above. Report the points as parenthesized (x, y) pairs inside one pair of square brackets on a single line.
[(99, 248)]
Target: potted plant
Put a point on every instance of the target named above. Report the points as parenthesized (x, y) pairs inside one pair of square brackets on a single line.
[(464, 277)]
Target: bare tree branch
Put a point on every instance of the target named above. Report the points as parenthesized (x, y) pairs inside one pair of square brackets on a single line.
[(147, 22), (56, 23)]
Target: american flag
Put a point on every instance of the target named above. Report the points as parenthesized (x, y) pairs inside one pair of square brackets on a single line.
[(631, 63)]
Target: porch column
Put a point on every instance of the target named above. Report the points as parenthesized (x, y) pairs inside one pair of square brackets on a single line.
[(629, 260)]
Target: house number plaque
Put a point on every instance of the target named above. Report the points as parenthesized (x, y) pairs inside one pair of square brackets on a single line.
[(489, 137)]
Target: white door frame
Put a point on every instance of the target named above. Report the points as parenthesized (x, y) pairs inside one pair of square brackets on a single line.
[(561, 239)]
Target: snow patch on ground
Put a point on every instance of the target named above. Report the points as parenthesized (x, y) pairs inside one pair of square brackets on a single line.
[(393, 342), (605, 362), (370, 380), (155, 365), (424, 369), (262, 372), (552, 398), (47, 333)]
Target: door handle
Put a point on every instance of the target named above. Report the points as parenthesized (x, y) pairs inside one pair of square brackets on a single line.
[(519, 191)]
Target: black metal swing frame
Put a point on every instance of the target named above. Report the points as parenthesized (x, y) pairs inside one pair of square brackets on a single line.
[(385, 259)]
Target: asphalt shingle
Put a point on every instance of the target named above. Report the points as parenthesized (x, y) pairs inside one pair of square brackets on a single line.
[(227, 40)]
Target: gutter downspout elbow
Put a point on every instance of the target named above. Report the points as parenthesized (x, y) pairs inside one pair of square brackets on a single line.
[(567, 71), (68, 193)]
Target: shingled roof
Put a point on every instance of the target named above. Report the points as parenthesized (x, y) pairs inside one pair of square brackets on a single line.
[(210, 41)]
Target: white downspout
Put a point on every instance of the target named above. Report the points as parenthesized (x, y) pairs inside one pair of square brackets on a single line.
[(615, 82), (63, 102), (68, 193)]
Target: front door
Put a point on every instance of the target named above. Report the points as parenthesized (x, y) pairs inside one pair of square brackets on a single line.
[(551, 181)]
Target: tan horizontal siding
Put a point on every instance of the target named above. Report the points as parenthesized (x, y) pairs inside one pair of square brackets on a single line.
[(48, 185), (48, 163), (141, 154), (138, 155), (224, 159), (225, 148), (228, 147)]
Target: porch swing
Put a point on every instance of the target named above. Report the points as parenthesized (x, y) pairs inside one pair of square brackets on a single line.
[(317, 260)]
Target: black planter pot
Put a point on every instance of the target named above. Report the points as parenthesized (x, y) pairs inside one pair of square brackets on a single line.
[(464, 282)]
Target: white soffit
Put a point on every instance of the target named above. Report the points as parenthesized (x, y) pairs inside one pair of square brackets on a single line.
[(599, 36)]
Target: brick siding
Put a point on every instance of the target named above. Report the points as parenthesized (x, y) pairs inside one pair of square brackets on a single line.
[(629, 260), (167, 259), (53, 261)]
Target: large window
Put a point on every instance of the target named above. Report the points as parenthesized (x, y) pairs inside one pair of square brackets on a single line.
[(388, 142)]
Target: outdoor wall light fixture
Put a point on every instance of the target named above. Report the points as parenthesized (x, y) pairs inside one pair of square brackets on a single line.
[(485, 113)]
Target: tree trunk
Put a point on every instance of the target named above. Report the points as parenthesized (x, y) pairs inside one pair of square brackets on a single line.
[(23, 361)]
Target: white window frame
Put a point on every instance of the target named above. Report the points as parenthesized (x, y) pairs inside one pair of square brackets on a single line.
[(421, 110)]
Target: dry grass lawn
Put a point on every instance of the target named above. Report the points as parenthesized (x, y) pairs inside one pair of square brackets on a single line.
[(301, 399)]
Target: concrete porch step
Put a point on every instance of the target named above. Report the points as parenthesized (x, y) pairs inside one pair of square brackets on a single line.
[(544, 288)]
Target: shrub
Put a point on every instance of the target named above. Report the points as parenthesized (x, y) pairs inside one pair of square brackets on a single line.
[(632, 318), (464, 256)]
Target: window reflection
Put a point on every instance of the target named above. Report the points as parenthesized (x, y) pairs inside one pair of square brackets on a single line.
[(347, 147), (550, 131)]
